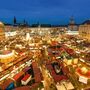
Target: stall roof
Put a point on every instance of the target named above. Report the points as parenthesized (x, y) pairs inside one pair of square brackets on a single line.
[(26, 77), (17, 76)]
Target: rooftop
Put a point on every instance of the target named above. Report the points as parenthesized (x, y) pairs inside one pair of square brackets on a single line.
[(86, 22)]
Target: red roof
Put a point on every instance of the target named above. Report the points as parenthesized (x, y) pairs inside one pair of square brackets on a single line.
[(23, 88), (34, 64), (78, 70), (33, 86), (54, 43), (17, 76), (36, 70), (56, 77), (26, 77), (37, 78), (59, 78), (49, 67)]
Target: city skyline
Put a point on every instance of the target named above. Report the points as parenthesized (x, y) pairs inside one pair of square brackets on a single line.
[(44, 45), (49, 12)]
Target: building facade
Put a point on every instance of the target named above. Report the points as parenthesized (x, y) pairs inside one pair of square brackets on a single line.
[(2, 33), (39, 30), (84, 30)]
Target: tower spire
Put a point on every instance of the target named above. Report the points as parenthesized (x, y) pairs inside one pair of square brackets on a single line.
[(14, 20), (72, 20)]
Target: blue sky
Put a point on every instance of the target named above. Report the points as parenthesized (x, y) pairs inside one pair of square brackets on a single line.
[(44, 11)]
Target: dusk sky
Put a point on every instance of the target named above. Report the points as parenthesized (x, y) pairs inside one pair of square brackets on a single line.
[(45, 11)]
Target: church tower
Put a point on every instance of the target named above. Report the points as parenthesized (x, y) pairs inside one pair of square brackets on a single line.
[(72, 25), (72, 22)]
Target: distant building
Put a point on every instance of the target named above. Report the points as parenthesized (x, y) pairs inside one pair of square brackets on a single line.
[(72, 32), (34, 29), (47, 29), (60, 29), (2, 33), (11, 27), (84, 30), (10, 30)]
